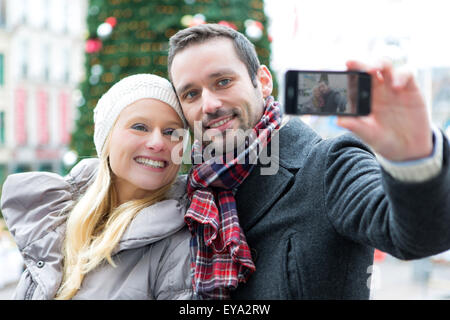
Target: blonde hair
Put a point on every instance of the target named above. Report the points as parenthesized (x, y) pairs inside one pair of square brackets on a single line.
[(95, 226)]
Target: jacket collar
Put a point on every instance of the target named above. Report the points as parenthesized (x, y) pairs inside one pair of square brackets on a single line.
[(152, 224), (157, 221)]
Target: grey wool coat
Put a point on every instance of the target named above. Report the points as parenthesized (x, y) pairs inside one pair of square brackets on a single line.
[(313, 225), (152, 256)]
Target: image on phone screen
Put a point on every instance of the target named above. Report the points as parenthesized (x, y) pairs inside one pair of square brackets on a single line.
[(327, 93)]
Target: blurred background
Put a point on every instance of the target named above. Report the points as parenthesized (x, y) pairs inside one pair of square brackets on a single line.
[(57, 57)]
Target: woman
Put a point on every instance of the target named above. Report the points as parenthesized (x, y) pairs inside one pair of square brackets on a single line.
[(113, 228), (318, 101)]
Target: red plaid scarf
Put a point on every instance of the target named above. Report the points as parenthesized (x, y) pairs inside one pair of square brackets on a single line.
[(220, 256)]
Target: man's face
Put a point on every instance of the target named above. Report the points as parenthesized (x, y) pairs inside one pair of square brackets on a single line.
[(216, 92)]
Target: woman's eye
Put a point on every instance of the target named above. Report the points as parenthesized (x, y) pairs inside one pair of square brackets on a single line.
[(139, 127), (168, 132)]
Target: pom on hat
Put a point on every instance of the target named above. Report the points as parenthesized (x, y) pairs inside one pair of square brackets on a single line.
[(124, 93)]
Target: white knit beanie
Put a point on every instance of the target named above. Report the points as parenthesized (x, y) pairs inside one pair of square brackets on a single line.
[(124, 93)]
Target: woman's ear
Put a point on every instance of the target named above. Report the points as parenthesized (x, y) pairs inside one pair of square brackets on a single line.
[(265, 78)]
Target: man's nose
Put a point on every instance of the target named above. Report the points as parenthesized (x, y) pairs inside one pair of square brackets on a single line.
[(155, 141), (210, 102)]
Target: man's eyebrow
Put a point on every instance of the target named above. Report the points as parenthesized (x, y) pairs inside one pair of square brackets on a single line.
[(221, 72), (184, 88), (216, 74)]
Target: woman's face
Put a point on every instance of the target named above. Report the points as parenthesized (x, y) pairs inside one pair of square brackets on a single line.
[(140, 148), (316, 92)]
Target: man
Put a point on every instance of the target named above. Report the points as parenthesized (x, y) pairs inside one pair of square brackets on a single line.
[(307, 231), (333, 100)]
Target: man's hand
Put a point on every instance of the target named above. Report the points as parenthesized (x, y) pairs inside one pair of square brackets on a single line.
[(398, 127)]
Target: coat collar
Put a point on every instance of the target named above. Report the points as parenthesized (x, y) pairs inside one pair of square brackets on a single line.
[(152, 224), (157, 221)]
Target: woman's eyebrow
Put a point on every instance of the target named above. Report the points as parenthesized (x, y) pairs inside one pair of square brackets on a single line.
[(173, 123), (134, 119)]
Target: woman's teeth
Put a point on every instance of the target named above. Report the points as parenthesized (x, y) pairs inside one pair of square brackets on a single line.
[(150, 163), (221, 122)]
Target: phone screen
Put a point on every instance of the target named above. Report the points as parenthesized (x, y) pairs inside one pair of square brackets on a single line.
[(327, 93)]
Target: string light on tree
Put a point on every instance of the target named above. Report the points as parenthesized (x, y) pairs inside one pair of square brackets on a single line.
[(192, 21), (186, 20), (97, 69), (197, 20)]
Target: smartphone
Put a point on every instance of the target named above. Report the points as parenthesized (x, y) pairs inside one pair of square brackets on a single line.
[(344, 93)]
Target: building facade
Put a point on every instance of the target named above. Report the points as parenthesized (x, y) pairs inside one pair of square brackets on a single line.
[(41, 65)]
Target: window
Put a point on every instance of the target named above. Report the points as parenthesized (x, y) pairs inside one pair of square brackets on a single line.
[(24, 47), (42, 117), (20, 129), (45, 167), (2, 128), (46, 14), (2, 69), (64, 119), (46, 62), (2, 13), (3, 173), (22, 167), (66, 65)]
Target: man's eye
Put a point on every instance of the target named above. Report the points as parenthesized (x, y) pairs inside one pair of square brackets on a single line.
[(139, 127), (190, 94), (224, 82)]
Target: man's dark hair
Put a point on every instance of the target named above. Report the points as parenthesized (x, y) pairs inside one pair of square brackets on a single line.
[(244, 48)]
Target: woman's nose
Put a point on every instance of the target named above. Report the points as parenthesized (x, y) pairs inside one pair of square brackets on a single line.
[(155, 141)]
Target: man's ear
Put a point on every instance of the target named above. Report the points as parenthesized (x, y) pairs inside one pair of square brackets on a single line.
[(265, 78)]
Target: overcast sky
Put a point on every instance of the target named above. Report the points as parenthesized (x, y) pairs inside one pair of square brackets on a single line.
[(326, 33)]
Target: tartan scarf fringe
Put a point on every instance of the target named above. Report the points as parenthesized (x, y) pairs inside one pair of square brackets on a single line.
[(220, 256)]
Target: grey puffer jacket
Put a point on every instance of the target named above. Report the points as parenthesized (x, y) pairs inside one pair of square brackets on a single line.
[(152, 257)]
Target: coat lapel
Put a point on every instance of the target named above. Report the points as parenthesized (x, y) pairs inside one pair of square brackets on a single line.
[(258, 193)]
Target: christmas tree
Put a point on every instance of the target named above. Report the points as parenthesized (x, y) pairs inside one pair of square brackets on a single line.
[(131, 36)]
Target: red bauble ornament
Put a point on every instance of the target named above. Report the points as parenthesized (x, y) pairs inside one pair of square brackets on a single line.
[(259, 25), (93, 45), (228, 24), (111, 21)]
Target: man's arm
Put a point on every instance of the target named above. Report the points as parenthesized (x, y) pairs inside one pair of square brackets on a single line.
[(417, 170), (408, 219)]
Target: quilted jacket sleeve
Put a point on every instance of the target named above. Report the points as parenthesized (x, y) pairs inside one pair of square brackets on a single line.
[(33, 203)]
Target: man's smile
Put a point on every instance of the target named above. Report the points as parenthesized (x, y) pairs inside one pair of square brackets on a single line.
[(220, 122)]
